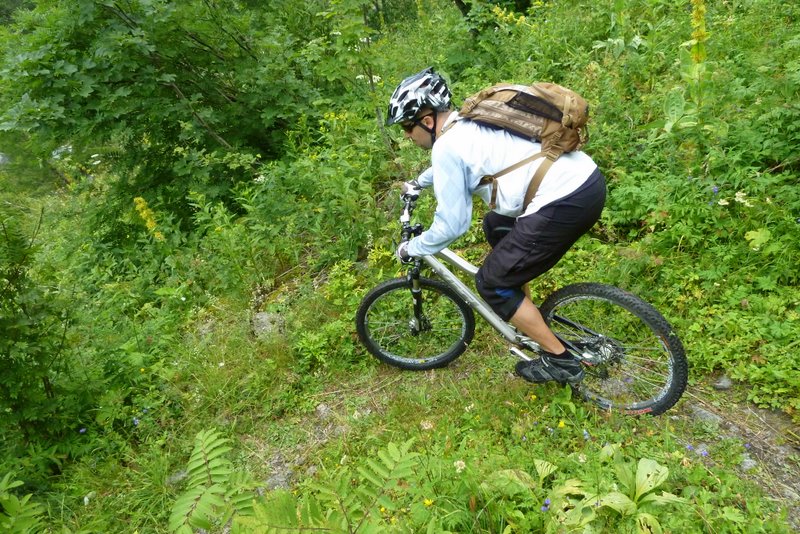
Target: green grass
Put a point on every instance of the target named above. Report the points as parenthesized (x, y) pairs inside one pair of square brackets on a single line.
[(159, 345)]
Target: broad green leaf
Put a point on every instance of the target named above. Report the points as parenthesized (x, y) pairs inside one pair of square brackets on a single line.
[(570, 487), (649, 475), (617, 501), (757, 238), (674, 105), (648, 524), (626, 475), (734, 515), (608, 452), (508, 483), (664, 498), (544, 469), (581, 515)]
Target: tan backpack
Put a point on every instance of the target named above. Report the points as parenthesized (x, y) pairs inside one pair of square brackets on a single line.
[(542, 112)]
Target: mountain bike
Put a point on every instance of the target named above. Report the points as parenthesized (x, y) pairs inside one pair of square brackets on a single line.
[(633, 360)]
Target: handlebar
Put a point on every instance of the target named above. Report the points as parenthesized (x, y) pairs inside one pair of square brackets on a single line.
[(408, 230)]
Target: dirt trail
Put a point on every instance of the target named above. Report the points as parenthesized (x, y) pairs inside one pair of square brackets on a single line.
[(771, 438)]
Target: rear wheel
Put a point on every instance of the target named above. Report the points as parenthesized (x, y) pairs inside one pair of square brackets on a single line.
[(390, 330), (633, 360)]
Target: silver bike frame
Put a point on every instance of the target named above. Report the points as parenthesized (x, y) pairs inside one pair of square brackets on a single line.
[(475, 302)]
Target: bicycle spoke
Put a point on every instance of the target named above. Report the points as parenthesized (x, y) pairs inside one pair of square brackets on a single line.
[(630, 364), (393, 332)]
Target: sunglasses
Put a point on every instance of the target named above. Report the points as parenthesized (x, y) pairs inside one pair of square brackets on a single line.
[(408, 126)]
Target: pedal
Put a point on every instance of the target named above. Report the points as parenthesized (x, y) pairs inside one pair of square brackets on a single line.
[(519, 354)]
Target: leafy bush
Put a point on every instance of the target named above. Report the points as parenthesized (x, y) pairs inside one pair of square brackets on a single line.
[(34, 388), (18, 515), (222, 158)]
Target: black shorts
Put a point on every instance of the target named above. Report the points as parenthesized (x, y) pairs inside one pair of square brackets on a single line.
[(526, 247)]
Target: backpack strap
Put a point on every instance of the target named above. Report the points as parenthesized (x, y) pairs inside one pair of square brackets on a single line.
[(492, 178), (536, 181)]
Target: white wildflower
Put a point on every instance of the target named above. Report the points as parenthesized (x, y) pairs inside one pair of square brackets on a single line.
[(426, 425), (363, 77), (741, 197), (459, 465), (723, 202)]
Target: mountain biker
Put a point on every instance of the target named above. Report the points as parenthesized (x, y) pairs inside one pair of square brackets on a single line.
[(524, 245)]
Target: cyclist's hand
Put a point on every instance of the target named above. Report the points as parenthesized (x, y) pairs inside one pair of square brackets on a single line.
[(412, 189), (402, 253)]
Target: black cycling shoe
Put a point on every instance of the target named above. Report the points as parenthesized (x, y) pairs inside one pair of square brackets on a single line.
[(549, 368)]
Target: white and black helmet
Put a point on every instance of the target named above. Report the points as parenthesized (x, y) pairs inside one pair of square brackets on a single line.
[(424, 89)]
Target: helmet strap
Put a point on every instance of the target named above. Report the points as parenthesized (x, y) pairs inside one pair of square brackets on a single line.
[(431, 131)]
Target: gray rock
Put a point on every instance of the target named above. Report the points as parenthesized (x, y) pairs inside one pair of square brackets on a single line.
[(206, 328), (177, 478), (279, 480), (748, 463), (723, 383), (267, 324), (704, 415), (323, 411)]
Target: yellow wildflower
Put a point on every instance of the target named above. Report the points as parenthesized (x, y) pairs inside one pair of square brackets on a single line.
[(148, 217), (561, 424), (428, 502)]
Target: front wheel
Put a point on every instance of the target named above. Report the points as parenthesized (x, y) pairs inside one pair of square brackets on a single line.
[(392, 332), (633, 360)]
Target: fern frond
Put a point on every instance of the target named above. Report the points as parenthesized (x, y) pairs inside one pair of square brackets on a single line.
[(278, 512), (194, 509), (214, 492), (207, 464), (18, 515)]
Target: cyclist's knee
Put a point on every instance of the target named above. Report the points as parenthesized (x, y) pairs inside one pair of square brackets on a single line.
[(504, 301)]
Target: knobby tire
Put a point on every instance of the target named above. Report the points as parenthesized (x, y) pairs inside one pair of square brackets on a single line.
[(633, 360), (385, 324)]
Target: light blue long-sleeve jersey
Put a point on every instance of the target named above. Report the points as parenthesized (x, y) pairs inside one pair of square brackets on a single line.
[(467, 152)]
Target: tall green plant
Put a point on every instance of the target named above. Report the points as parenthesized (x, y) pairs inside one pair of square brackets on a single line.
[(215, 493), (180, 96), (18, 515), (32, 332), (339, 508)]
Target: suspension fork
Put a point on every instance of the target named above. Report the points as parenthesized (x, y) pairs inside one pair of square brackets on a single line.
[(419, 323)]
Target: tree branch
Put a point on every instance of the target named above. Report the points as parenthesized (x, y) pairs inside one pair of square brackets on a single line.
[(200, 119)]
